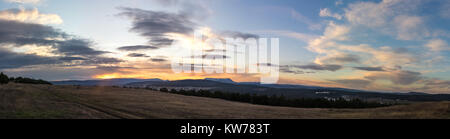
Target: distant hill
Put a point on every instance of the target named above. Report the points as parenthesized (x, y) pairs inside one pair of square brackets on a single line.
[(289, 91), (107, 82), (282, 85), (223, 80)]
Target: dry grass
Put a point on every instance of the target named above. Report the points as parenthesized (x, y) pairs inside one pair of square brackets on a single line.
[(41, 101)]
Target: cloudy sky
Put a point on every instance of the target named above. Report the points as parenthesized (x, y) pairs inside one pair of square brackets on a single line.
[(382, 45)]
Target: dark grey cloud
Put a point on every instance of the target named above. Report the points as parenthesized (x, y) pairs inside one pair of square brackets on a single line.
[(12, 32), (77, 47), (72, 58), (287, 70), (436, 82), (19, 34), (268, 64), (136, 48), (291, 70), (397, 77), (10, 59), (52, 73), (407, 77), (73, 48), (209, 56), (112, 68), (101, 60), (319, 67), (158, 60), (154, 25), (198, 10), (215, 50), (347, 58), (161, 41), (167, 2), (137, 55), (342, 58), (194, 9), (369, 68), (236, 34)]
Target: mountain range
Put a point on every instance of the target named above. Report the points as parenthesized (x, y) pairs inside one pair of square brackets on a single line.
[(287, 90)]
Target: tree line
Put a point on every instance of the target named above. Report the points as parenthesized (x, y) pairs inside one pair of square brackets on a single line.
[(4, 79), (275, 100)]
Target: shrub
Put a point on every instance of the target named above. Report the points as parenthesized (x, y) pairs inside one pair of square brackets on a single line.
[(3, 79), (30, 81), (164, 90)]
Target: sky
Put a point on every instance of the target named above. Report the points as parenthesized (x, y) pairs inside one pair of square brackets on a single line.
[(379, 45)]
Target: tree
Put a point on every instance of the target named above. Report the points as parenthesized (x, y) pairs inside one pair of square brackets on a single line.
[(165, 90), (3, 79), (30, 81)]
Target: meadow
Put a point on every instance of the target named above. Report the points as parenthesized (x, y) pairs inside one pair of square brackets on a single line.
[(33, 101)]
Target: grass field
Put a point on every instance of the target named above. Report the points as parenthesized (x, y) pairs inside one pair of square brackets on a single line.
[(59, 102)]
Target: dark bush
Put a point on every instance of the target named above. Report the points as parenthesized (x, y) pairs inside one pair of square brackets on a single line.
[(30, 81), (164, 90), (3, 78)]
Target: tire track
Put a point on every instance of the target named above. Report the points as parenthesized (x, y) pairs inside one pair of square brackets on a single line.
[(73, 98)]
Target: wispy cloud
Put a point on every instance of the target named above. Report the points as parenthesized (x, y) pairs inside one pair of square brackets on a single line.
[(137, 55), (137, 48), (437, 45), (327, 13), (347, 44), (30, 16), (64, 47), (158, 60), (155, 25), (318, 67), (392, 17), (301, 18), (24, 1), (397, 77), (10, 60), (291, 34), (354, 83), (369, 68)]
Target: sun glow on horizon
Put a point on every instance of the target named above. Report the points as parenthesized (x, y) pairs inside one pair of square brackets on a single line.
[(107, 76), (179, 76)]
